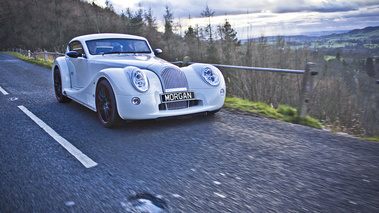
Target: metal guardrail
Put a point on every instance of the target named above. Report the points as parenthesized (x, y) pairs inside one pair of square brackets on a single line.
[(181, 63), (56, 54), (306, 88), (35, 54), (258, 68)]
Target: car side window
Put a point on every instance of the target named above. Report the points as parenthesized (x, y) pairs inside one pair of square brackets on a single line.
[(76, 46)]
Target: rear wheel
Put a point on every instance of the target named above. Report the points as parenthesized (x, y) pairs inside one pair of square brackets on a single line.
[(106, 105), (58, 87)]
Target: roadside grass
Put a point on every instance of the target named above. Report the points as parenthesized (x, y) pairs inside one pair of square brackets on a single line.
[(283, 112), (40, 62), (331, 57), (373, 138)]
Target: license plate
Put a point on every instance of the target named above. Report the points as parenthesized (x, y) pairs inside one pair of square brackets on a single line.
[(177, 96)]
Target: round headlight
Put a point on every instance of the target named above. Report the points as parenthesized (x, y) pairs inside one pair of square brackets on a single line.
[(210, 76), (140, 81)]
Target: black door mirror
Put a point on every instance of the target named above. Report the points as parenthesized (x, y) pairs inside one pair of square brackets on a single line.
[(158, 51), (73, 54)]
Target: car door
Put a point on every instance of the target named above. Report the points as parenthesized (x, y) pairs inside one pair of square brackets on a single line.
[(78, 66)]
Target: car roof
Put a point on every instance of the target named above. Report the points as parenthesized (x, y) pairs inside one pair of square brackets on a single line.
[(106, 36)]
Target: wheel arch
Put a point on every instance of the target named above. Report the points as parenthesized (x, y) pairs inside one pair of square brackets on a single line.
[(114, 115), (104, 75), (60, 63), (119, 79), (99, 79)]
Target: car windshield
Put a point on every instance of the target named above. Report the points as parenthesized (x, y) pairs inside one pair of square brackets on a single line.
[(113, 46)]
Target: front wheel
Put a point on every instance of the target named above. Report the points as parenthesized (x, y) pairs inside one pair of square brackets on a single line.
[(106, 105)]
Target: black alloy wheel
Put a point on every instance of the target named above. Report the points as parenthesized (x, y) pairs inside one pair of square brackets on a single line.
[(106, 105), (58, 87)]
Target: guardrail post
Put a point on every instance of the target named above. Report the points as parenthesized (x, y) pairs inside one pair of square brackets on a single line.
[(186, 60), (306, 89), (35, 56), (45, 55), (29, 54)]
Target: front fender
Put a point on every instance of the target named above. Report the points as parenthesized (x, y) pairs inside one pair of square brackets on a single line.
[(195, 79), (61, 63), (120, 80)]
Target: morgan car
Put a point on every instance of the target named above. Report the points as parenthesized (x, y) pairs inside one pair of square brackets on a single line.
[(120, 77)]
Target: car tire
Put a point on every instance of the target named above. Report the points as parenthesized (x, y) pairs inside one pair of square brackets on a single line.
[(106, 106), (58, 87)]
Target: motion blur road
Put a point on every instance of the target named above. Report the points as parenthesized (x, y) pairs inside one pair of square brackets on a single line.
[(222, 163)]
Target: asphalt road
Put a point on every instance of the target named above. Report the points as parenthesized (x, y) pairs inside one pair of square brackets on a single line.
[(222, 163)]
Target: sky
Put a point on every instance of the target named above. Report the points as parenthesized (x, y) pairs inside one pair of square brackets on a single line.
[(252, 18)]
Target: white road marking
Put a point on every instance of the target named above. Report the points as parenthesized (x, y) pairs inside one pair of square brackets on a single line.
[(3, 91), (220, 195), (84, 159), (352, 202), (70, 203), (176, 196)]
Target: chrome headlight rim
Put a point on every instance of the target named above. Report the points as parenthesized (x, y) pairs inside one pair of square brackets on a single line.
[(210, 75), (140, 81)]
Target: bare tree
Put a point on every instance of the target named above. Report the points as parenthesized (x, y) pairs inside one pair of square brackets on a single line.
[(208, 13)]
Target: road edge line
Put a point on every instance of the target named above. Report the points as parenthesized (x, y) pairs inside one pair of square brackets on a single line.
[(3, 91), (79, 155)]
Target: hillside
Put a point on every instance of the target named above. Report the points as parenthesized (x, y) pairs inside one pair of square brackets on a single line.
[(370, 33), (367, 38), (46, 24), (50, 24)]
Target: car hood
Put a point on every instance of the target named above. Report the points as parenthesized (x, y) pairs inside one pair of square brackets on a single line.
[(140, 61), (171, 76)]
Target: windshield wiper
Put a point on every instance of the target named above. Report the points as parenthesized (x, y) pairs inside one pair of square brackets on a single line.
[(144, 52), (117, 52)]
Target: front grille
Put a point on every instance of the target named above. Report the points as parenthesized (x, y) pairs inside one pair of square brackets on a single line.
[(173, 77), (178, 105)]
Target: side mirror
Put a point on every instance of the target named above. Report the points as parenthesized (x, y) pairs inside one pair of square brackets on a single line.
[(158, 51), (73, 54)]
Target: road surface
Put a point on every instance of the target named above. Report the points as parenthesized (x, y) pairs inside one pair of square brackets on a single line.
[(222, 163)]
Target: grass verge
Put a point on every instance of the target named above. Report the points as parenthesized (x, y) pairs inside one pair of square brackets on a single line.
[(373, 138), (283, 112), (40, 62)]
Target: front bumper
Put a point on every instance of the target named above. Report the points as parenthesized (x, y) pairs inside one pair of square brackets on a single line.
[(150, 107)]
